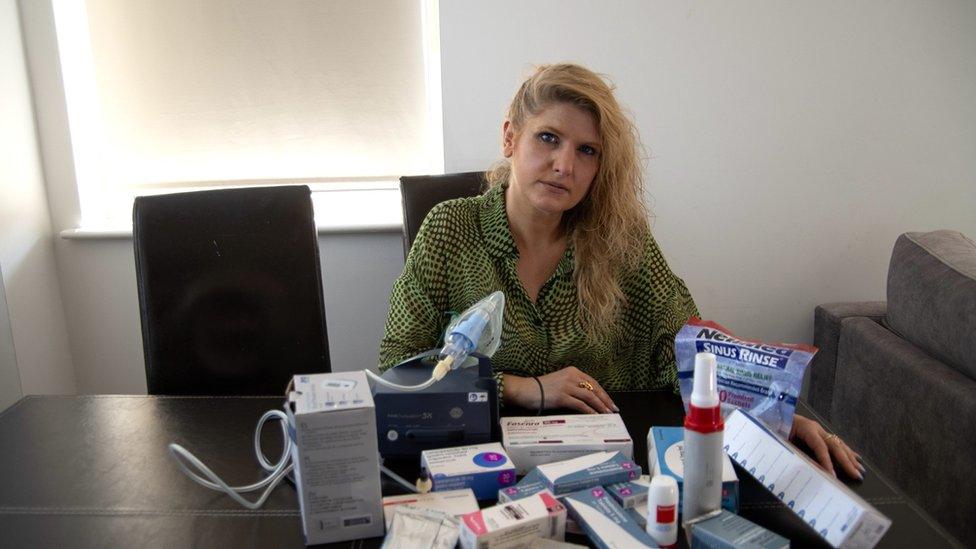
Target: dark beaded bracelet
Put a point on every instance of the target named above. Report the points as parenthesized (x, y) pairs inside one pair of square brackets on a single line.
[(542, 396)]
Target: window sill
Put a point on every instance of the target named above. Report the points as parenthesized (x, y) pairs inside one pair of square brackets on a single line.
[(336, 212)]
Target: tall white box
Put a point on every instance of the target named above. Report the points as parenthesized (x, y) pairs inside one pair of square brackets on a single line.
[(536, 440), (332, 424)]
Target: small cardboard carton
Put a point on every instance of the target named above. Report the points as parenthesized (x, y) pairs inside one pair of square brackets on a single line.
[(514, 523), (482, 467), (332, 424), (533, 440), (595, 469), (836, 513)]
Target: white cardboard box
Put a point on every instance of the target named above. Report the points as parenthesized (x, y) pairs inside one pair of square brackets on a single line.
[(836, 513), (337, 471), (514, 523), (536, 440)]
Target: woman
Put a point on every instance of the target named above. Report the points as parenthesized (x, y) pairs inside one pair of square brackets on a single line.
[(590, 301)]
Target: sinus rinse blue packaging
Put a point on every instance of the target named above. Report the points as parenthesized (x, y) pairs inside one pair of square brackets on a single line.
[(763, 379)]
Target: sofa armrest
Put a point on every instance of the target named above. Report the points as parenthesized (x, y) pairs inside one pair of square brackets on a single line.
[(826, 335), (910, 415)]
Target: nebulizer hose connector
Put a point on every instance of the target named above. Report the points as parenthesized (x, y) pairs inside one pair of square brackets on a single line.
[(479, 328)]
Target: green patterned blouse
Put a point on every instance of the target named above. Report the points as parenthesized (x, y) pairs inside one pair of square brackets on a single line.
[(465, 250)]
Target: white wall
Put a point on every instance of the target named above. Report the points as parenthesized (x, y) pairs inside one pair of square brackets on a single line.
[(10, 389), (791, 142), (30, 276)]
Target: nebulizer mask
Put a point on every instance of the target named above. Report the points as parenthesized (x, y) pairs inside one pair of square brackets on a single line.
[(478, 329)]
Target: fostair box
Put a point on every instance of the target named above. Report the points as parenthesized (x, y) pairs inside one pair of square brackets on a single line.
[(536, 440), (332, 424)]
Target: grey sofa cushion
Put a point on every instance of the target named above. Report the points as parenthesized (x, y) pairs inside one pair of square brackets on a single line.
[(932, 295), (912, 417)]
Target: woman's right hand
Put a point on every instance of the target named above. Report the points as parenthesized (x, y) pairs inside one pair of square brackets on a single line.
[(565, 388)]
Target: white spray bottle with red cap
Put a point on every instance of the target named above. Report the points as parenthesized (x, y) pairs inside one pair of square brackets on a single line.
[(702, 483)]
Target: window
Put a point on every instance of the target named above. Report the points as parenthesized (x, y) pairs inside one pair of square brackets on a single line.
[(178, 94)]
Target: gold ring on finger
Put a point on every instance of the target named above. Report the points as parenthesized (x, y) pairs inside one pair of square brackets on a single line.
[(831, 437), (585, 385)]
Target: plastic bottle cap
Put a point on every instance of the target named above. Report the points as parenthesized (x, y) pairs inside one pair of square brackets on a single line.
[(704, 393)]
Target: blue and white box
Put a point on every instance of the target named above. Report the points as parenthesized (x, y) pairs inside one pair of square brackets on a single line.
[(607, 524), (666, 456), (838, 515), (485, 468), (529, 485), (632, 493), (586, 471)]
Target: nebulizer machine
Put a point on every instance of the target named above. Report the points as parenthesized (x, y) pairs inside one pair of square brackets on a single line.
[(417, 405), (418, 408)]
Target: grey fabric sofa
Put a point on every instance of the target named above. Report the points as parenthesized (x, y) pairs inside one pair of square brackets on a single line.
[(898, 378)]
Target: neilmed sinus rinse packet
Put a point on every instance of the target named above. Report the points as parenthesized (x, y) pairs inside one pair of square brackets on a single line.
[(762, 378)]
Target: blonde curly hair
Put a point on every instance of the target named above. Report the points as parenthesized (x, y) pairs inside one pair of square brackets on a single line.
[(609, 227)]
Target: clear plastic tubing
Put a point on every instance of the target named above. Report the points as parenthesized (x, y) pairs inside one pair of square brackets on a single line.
[(702, 489)]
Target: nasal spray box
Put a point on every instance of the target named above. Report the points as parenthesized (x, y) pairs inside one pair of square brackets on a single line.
[(836, 513), (514, 523), (332, 424), (482, 467), (665, 456), (607, 524), (586, 471), (532, 441)]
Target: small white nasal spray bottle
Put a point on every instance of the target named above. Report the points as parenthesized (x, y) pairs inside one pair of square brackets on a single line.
[(703, 443), (662, 510)]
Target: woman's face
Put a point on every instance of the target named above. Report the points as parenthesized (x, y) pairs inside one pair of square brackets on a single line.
[(555, 156)]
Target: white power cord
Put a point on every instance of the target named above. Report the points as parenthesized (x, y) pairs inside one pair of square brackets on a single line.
[(277, 471)]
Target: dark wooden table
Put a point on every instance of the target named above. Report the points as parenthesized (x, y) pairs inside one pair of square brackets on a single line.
[(83, 471)]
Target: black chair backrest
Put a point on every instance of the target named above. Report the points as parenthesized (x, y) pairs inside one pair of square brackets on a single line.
[(230, 290), (423, 192)]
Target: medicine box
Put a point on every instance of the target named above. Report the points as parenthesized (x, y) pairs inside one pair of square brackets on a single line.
[(482, 467), (514, 523), (332, 423), (594, 469), (836, 513), (529, 485), (665, 456), (724, 530), (631, 493), (452, 502), (532, 441), (606, 523)]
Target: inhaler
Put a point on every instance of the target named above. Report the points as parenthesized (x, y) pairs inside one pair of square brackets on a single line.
[(702, 490)]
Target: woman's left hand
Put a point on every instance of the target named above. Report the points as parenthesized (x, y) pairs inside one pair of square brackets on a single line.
[(825, 445)]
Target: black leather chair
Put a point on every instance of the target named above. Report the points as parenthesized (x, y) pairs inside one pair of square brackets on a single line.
[(422, 192), (230, 290)]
